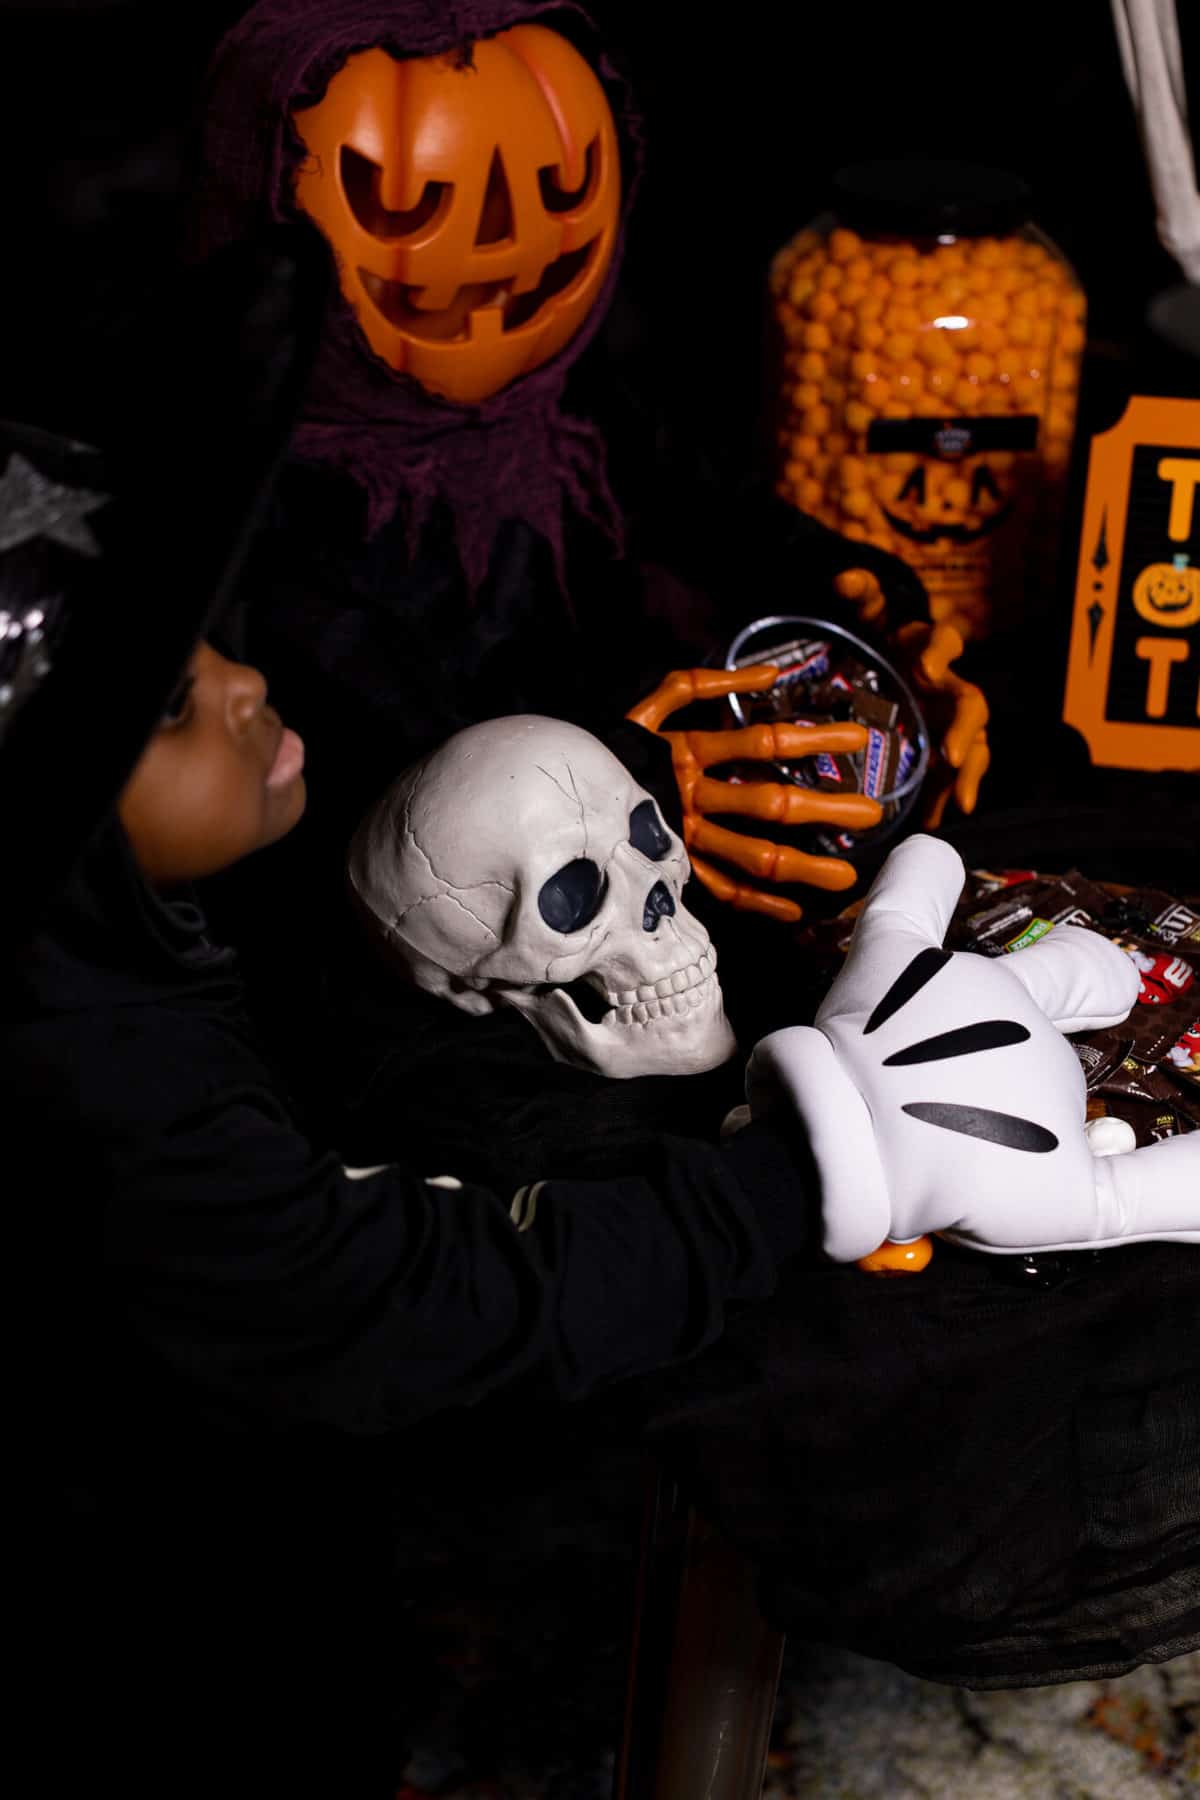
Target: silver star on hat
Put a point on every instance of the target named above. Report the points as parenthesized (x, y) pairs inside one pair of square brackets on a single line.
[(33, 507)]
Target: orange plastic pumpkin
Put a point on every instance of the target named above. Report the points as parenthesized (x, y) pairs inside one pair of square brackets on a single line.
[(1168, 594), (472, 208)]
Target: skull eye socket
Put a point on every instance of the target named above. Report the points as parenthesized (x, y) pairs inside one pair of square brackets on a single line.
[(647, 832), (570, 899)]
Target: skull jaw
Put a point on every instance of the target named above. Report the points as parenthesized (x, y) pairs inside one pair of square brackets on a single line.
[(675, 1044)]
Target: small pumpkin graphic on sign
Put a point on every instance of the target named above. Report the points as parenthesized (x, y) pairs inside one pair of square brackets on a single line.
[(472, 208), (1168, 593)]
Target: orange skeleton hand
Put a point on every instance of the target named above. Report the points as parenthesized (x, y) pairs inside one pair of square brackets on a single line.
[(693, 753), (956, 710)]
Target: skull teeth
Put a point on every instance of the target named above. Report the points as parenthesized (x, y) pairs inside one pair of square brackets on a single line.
[(650, 997), (670, 1005)]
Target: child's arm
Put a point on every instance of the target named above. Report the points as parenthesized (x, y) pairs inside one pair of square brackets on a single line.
[(266, 1275)]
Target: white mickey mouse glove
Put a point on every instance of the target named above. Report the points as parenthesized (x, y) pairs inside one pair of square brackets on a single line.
[(940, 1095)]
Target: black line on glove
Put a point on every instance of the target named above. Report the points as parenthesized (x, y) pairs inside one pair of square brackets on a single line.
[(986, 1034), (976, 1121), (923, 967)]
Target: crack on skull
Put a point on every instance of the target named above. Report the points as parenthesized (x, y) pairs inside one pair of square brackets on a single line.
[(451, 892), (580, 805), (672, 921), (573, 795)]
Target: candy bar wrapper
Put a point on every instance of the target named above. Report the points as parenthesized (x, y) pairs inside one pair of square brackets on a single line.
[(1132, 1081), (1153, 1056), (981, 884), (870, 771), (814, 689), (1151, 1120), (1168, 1000), (878, 770), (874, 710), (1100, 1060), (1165, 921), (802, 664), (832, 773), (851, 690), (879, 762), (1183, 1058), (1019, 915), (1145, 1070), (1124, 1062)]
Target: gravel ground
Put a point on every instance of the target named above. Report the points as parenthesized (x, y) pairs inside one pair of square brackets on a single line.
[(849, 1729), (526, 1659)]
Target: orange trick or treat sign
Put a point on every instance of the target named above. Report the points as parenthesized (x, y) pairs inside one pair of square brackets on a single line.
[(1133, 674), (472, 207)]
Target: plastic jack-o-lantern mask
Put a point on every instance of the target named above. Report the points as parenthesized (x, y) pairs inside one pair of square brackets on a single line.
[(472, 207)]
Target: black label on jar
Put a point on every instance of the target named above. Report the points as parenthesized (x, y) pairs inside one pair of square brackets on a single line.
[(951, 439)]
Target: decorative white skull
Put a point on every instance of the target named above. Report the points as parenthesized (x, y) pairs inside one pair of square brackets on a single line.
[(521, 865)]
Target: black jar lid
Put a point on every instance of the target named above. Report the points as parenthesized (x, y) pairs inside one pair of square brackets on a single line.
[(921, 197)]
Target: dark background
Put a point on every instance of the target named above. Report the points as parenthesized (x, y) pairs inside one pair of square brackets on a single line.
[(746, 118), (747, 114), (748, 111)]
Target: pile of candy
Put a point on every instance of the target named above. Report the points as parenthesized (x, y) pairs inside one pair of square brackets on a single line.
[(1147, 1069), (821, 682)]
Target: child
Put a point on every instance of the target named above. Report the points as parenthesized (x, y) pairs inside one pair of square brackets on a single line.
[(219, 1298), (364, 1299)]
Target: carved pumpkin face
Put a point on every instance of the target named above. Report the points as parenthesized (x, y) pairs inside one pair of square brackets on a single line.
[(948, 502), (1168, 594), (472, 209)]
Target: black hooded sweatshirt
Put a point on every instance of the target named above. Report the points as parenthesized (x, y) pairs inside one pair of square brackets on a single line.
[(223, 1329), (244, 1271)]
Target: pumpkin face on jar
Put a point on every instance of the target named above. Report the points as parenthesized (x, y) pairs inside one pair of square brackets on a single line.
[(946, 502), (472, 208), (1168, 594)]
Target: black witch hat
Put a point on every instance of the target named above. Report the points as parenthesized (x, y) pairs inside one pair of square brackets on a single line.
[(114, 561)]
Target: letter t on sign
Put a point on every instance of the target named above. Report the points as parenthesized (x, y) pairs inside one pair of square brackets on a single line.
[(1160, 653), (1183, 473)]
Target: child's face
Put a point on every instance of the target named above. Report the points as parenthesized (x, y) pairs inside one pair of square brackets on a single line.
[(219, 778)]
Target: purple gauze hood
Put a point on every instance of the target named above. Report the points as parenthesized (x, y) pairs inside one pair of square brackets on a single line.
[(514, 456)]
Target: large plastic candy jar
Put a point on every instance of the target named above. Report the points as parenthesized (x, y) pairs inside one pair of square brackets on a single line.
[(927, 340)]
